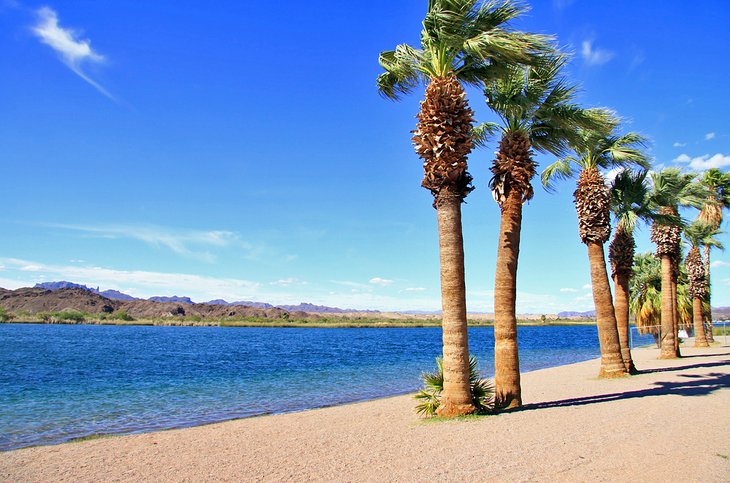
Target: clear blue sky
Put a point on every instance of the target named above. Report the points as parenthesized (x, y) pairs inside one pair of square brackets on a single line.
[(240, 150)]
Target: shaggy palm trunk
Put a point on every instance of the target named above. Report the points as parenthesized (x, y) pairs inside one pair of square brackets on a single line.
[(667, 238), (708, 316), (612, 363), (698, 289), (699, 323), (621, 255), (668, 350), (621, 301), (456, 396), (675, 312), (592, 204), (508, 393), (511, 186), (443, 140)]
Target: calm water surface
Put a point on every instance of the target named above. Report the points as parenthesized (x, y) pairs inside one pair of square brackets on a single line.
[(60, 382)]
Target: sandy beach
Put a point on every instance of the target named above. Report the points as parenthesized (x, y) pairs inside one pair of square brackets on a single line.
[(670, 423)]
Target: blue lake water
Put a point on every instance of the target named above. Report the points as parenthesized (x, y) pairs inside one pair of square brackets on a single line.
[(60, 382)]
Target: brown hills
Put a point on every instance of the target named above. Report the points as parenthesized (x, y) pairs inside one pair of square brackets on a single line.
[(34, 300)]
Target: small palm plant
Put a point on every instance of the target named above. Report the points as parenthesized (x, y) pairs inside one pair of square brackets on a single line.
[(482, 390)]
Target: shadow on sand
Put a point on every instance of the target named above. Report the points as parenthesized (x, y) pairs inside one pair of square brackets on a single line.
[(694, 385)]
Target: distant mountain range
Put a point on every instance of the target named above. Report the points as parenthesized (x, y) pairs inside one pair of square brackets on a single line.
[(590, 313), (116, 295)]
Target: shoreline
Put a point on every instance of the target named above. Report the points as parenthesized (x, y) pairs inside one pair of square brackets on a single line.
[(333, 323), (574, 427)]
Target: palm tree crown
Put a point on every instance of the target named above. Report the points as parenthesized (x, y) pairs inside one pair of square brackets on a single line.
[(596, 150), (536, 107), (461, 38), (672, 189)]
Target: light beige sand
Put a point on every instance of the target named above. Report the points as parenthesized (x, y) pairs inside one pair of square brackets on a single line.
[(671, 423)]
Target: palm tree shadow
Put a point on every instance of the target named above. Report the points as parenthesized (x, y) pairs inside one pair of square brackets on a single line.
[(681, 368), (705, 355), (695, 385)]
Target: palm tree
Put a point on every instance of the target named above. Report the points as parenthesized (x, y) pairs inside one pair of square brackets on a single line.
[(537, 110), (645, 300), (629, 204), (598, 150), (671, 189), (717, 184), (699, 234), (461, 42)]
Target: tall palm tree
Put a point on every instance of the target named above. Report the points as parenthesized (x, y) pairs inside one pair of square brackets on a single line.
[(537, 110), (671, 189), (699, 234), (629, 205), (599, 150), (462, 41), (717, 185)]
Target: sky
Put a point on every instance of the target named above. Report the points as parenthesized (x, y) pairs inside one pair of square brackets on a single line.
[(240, 150)]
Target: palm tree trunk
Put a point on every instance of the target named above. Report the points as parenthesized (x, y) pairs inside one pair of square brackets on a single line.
[(506, 357), (668, 350), (456, 397), (675, 312), (708, 316), (699, 323), (621, 283), (612, 364)]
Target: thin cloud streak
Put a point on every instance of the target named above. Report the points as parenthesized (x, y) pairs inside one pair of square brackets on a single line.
[(74, 52), (594, 56), (178, 241)]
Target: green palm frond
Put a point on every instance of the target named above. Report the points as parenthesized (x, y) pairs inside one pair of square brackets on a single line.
[(672, 188), (699, 234), (463, 37), (482, 390), (560, 169), (481, 133)]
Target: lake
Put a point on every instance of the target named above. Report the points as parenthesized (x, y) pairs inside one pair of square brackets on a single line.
[(60, 382)]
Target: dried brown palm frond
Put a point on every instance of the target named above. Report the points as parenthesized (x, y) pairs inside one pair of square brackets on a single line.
[(696, 273), (513, 167), (592, 203), (443, 138), (621, 252), (666, 236)]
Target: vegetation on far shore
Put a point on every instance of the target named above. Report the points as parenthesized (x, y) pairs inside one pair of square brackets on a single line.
[(333, 321)]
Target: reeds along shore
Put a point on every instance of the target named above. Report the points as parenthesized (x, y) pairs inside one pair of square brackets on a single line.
[(560, 434)]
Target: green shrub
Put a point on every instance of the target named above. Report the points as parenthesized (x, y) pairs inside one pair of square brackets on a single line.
[(121, 315), (5, 316), (482, 390), (74, 315)]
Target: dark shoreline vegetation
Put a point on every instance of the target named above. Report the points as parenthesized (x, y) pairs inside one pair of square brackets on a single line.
[(80, 318)]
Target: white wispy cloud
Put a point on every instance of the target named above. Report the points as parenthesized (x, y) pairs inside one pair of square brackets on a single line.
[(588, 286), (414, 289), (140, 282), (287, 282), (679, 145), (383, 282), (182, 242), (73, 51), (594, 56), (709, 136), (568, 289), (719, 263), (703, 163)]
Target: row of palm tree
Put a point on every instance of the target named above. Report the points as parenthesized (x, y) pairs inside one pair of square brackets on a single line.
[(468, 43)]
